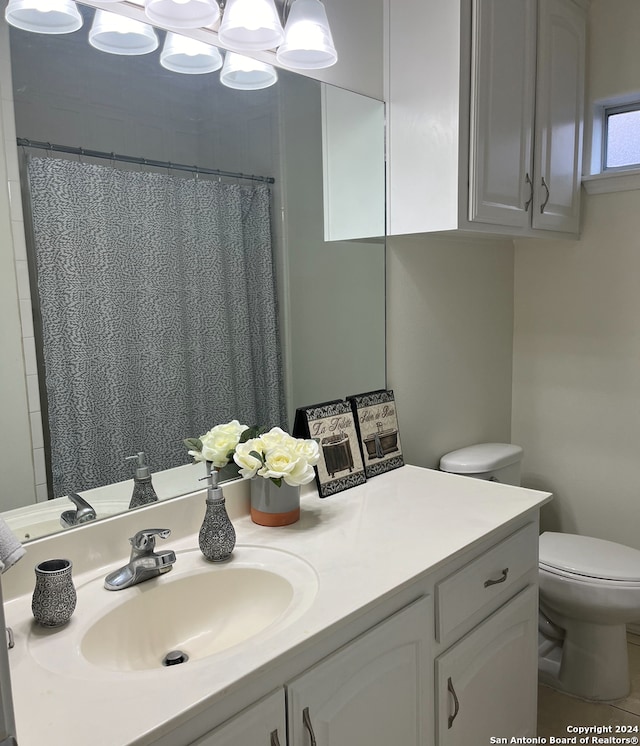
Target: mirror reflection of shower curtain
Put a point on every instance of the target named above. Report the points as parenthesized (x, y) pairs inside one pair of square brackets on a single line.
[(159, 316)]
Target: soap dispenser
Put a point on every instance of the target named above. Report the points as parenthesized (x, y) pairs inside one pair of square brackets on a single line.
[(143, 492), (217, 536)]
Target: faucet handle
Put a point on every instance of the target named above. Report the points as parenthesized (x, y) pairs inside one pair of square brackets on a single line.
[(145, 540)]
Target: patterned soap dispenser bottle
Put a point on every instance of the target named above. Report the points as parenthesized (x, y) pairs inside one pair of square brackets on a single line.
[(143, 492), (217, 536)]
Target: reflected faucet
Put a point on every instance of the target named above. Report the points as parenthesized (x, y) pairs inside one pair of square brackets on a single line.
[(144, 563), (82, 514)]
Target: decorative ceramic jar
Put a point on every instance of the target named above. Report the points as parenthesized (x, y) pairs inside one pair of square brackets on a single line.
[(272, 505), (54, 597)]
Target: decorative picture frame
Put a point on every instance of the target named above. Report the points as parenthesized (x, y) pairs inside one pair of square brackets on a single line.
[(378, 432), (333, 427)]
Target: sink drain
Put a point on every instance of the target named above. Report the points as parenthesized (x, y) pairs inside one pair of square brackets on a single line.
[(174, 658)]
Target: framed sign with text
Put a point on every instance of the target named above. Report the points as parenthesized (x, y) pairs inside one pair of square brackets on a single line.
[(333, 427), (377, 425)]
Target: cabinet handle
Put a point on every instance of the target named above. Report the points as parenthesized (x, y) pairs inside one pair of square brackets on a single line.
[(306, 719), (275, 741), (546, 199), (456, 703), (527, 204), (501, 579)]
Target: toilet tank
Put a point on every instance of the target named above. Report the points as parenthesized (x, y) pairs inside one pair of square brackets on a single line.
[(496, 462)]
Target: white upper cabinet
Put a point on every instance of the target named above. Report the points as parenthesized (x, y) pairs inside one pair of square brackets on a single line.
[(559, 116), (485, 116)]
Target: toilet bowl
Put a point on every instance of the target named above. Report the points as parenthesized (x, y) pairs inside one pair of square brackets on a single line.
[(589, 592)]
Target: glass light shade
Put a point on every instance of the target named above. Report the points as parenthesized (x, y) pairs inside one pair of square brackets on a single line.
[(118, 34), (308, 44), (182, 13), (189, 56), (245, 74), (250, 25), (44, 16)]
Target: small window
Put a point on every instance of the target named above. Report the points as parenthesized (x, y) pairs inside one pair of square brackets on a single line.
[(622, 137)]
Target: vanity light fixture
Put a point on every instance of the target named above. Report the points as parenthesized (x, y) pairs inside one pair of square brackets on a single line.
[(246, 74), (182, 13), (308, 43), (118, 34), (44, 16), (181, 54), (250, 25)]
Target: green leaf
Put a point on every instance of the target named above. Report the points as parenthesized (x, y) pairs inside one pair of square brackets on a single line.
[(255, 431), (277, 481), (257, 455), (193, 444)]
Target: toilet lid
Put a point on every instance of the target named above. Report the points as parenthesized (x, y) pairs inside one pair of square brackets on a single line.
[(593, 558)]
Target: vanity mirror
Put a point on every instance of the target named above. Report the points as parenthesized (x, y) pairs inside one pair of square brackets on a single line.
[(329, 295)]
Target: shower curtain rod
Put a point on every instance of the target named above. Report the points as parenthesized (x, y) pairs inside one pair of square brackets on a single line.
[(140, 161)]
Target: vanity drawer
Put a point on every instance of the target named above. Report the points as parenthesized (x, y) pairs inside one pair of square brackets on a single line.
[(483, 582)]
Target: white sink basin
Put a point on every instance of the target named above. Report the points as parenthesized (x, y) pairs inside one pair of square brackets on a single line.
[(199, 609)]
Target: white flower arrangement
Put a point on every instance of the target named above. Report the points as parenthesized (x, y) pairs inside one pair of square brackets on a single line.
[(218, 445), (278, 456)]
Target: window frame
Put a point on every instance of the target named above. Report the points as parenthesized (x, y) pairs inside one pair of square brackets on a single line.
[(607, 112)]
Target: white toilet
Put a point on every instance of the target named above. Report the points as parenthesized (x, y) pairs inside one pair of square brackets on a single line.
[(589, 592)]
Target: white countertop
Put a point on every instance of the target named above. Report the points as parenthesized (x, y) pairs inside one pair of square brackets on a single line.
[(364, 544)]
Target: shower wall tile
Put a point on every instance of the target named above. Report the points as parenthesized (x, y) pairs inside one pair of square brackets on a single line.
[(15, 200), (26, 319), (11, 151), (41, 493), (37, 433), (33, 393), (30, 359), (22, 277), (19, 243), (39, 466)]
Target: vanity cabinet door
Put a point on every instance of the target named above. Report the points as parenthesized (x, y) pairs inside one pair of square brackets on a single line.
[(486, 684), (261, 724), (376, 690)]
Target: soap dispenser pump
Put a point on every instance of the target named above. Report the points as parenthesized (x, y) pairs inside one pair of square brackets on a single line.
[(217, 536), (143, 492)]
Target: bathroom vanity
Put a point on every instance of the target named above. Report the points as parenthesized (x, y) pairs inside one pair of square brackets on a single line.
[(408, 615)]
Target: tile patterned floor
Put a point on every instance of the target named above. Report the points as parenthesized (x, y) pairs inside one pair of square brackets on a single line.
[(556, 711)]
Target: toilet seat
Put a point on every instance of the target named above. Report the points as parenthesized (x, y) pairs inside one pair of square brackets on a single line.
[(584, 558)]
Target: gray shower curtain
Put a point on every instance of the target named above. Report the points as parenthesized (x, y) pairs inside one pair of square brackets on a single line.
[(159, 316)]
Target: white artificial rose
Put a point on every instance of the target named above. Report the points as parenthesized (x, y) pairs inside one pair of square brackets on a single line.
[(220, 441), (248, 463), (278, 462), (275, 437), (302, 473), (308, 450), (197, 455)]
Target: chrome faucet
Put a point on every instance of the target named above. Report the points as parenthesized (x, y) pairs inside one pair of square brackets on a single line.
[(144, 563), (82, 514)]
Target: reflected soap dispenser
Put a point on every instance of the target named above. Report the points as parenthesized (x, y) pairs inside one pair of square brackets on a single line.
[(217, 536), (143, 492)]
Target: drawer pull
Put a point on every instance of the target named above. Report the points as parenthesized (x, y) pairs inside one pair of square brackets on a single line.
[(456, 703), (275, 741), (306, 719), (501, 579), (546, 199)]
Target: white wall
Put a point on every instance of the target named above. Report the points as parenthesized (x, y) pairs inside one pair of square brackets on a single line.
[(449, 342), (336, 314), (16, 450), (576, 381)]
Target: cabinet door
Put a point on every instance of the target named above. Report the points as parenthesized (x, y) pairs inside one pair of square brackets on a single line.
[(262, 724), (502, 111), (375, 691), (559, 116), (487, 682)]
